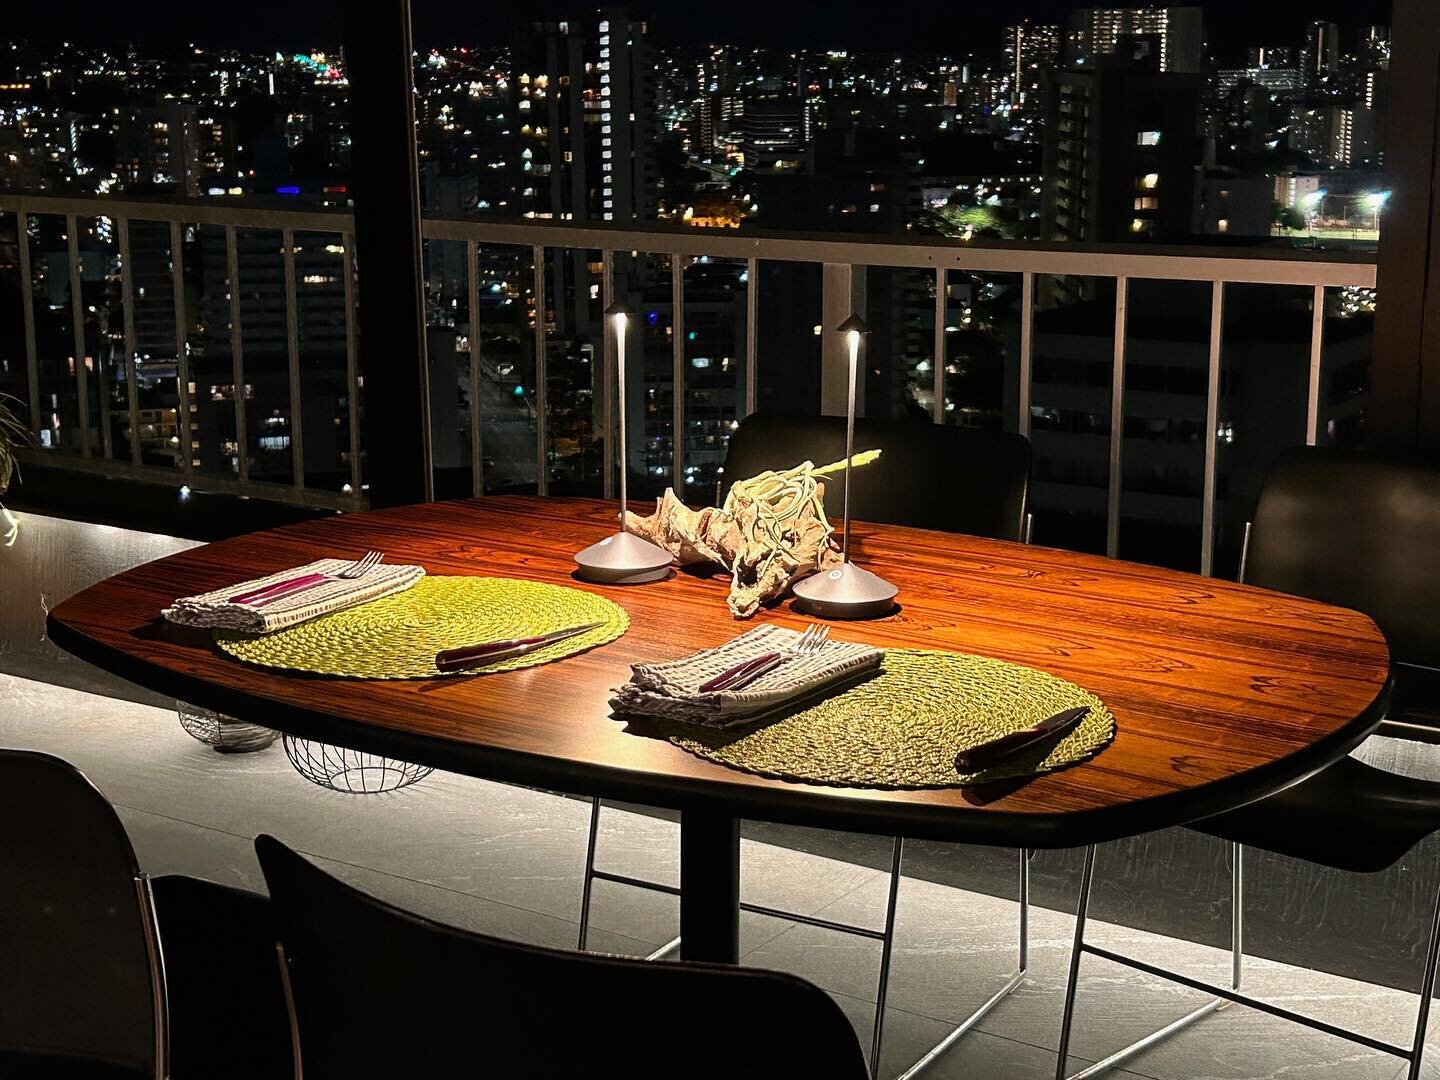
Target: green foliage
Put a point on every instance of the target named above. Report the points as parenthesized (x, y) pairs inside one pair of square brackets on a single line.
[(951, 220), (1288, 217), (13, 435)]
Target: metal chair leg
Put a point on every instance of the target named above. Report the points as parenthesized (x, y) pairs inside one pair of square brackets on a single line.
[(589, 879), (1237, 956), (887, 944), (934, 1053), (1082, 907), (1427, 991)]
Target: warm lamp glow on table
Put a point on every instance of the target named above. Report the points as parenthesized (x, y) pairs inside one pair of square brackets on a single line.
[(624, 558), (849, 591)]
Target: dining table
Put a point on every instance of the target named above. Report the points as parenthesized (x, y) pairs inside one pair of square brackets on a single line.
[(1222, 693)]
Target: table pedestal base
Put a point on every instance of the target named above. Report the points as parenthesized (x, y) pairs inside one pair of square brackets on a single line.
[(709, 887)]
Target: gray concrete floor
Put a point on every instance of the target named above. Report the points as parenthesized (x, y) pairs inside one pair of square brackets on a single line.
[(507, 860)]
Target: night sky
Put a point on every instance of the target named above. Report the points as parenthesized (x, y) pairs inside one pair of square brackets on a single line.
[(951, 26)]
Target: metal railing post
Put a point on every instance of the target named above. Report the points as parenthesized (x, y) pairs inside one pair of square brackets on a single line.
[(77, 327), (1317, 347), (237, 356), (542, 430), (939, 372), (1212, 426), (472, 278), (292, 348), (1027, 350), (182, 350), (1117, 419), (677, 374), (352, 362), (27, 301), (752, 333), (127, 300)]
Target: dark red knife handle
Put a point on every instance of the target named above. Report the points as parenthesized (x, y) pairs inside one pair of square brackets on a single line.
[(466, 655), (732, 675), (979, 758), (986, 754)]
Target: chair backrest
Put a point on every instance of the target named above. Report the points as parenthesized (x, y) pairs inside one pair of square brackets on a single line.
[(79, 974), (1359, 531), (930, 476), (377, 991)]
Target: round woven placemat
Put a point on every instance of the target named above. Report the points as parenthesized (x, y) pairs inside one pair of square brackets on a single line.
[(397, 636), (903, 728)]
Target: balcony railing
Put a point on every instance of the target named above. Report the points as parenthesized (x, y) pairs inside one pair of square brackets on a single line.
[(842, 262)]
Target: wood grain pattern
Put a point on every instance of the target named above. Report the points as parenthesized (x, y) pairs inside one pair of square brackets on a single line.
[(1222, 693)]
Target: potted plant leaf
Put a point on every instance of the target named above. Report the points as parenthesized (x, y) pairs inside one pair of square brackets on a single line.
[(13, 435)]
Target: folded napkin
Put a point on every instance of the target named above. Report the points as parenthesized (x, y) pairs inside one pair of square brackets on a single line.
[(672, 689), (214, 610)]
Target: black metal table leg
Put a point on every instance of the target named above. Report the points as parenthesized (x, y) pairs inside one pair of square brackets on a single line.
[(709, 887)]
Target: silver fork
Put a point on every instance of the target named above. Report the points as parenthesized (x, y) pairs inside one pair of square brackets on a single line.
[(260, 597), (742, 675)]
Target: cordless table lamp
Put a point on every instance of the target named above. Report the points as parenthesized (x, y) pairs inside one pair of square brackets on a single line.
[(848, 591), (624, 558)]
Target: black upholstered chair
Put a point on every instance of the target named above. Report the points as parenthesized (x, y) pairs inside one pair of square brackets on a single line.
[(928, 476), (378, 991), (83, 989), (1364, 533), (931, 476)]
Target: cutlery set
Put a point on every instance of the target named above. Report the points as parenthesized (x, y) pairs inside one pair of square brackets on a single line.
[(810, 642), (257, 598)]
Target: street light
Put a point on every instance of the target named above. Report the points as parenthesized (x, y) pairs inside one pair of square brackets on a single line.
[(623, 558), (849, 591), (1375, 202)]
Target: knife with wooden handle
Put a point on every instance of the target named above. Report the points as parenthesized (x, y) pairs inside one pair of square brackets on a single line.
[(490, 651), (988, 754)]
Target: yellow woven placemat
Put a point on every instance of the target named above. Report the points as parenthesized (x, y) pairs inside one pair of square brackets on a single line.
[(397, 636), (903, 728)]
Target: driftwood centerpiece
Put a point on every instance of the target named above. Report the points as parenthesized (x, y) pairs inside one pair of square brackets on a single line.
[(771, 532)]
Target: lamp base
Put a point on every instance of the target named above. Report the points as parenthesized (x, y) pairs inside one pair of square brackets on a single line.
[(623, 559), (847, 592)]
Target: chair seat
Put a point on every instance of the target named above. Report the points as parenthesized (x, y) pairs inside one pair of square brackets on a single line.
[(1350, 816)]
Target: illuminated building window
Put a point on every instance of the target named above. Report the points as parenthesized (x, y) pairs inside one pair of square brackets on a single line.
[(1150, 181), (1147, 202), (1147, 138)]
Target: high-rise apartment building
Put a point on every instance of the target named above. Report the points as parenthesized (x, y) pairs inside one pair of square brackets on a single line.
[(1322, 50), (1121, 151), (159, 146), (772, 132), (1179, 32), (583, 98), (1029, 48)]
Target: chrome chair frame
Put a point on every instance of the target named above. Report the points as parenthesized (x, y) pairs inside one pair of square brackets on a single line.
[(1223, 997), (885, 936)]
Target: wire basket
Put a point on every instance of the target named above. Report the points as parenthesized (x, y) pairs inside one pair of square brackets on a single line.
[(224, 733), (350, 771)]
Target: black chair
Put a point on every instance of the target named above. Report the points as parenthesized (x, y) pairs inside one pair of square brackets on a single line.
[(81, 980), (928, 476), (84, 990), (1360, 532), (378, 991), (228, 1017), (931, 476)]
